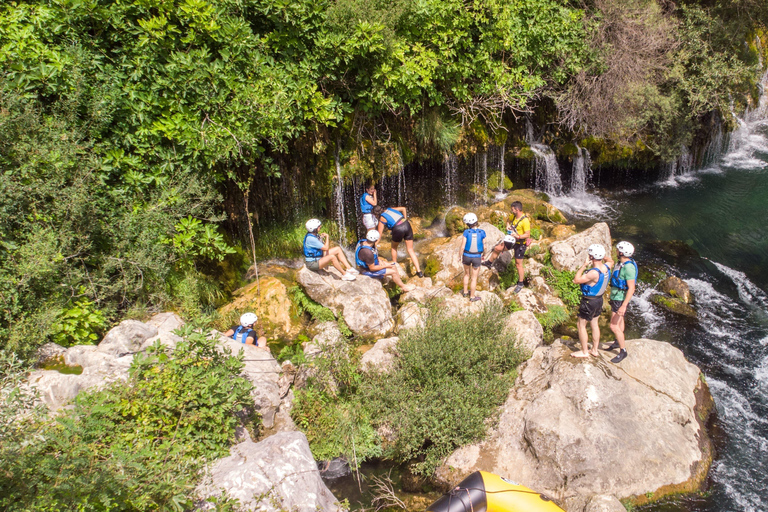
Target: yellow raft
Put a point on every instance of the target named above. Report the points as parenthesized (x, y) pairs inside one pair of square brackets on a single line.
[(486, 492)]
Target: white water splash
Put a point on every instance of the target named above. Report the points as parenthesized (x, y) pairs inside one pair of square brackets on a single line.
[(579, 202), (547, 171), (451, 177), (338, 194), (641, 305), (749, 292), (750, 140)]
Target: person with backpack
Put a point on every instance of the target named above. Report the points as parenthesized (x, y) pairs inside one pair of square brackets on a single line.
[(517, 240), (245, 332), (623, 281), (367, 258), (395, 219), (318, 252), (472, 255), (593, 283)]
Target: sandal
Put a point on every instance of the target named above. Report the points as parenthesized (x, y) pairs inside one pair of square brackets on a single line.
[(475, 299)]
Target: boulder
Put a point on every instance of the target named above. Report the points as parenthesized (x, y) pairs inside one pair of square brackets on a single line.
[(528, 331), (126, 338), (526, 298), (380, 356), (423, 295), (328, 334), (674, 305), (49, 352), (269, 300), (574, 428), (410, 316), (363, 302), (571, 253), (275, 474), (165, 323), (677, 288), (604, 503)]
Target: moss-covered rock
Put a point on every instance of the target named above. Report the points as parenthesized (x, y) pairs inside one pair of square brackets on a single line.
[(674, 305), (494, 181)]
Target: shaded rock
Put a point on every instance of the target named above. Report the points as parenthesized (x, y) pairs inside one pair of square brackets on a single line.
[(275, 474), (126, 338), (328, 334), (272, 305), (380, 356), (571, 253), (528, 331), (579, 428), (677, 288), (674, 305), (48, 352), (363, 302), (334, 468)]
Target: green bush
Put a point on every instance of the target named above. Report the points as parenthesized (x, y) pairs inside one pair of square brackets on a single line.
[(561, 281), (133, 446), (554, 317), (79, 325), (449, 378), (304, 304), (508, 276)]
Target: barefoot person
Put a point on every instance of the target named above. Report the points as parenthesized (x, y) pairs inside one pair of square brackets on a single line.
[(623, 281), (245, 332), (367, 258), (520, 231), (368, 200), (395, 219), (472, 255), (318, 252), (593, 285)]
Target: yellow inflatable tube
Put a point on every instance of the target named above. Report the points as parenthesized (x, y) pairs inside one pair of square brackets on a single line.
[(486, 492)]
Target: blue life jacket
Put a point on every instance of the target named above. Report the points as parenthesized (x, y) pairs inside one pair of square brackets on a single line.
[(391, 217), (310, 253), (473, 247), (621, 284), (360, 263), (243, 333), (365, 206), (597, 289)]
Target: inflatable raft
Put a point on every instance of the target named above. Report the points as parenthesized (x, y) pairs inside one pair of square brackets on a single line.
[(486, 492)]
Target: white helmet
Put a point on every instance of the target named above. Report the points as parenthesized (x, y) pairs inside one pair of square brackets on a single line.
[(470, 219), (596, 251), (625, 249), (312, 224), (372, 236), (509, 239), (248, 319)]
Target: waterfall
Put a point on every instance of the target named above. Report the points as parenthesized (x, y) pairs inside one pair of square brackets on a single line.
[(338, 193), (582, 172), (451, 177), (484, 174), (530, 138), (502, 175), (402, 195), (547, 172), (716, 147)]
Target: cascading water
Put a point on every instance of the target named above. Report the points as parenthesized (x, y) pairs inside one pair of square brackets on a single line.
[(579, 202), (450, 177), (547, 171), (338, 194), (502, 175), (679, 170), (582, 172)]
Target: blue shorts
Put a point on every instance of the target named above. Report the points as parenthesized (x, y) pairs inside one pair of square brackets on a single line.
[(376, 274)]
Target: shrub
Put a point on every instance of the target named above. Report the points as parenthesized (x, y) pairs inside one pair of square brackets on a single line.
[(138, 445), (81, 324), (508, 276), (562, 283), (449, 378), (554, 317), (304, 304)]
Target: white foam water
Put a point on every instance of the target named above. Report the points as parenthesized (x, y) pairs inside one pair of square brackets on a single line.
[(749, 292), (641, 305)]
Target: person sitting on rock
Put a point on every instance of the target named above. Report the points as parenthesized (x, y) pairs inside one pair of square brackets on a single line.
[(472, 255), (623, 281), (245, 332), (395, 220), (593, 285), (318, 252), (516, 240), (367, 258), (367, 201)]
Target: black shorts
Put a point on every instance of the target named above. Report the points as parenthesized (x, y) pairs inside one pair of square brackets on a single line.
[(519, 250), (615, 305), (402, 231), (471, 260), (590, 307)]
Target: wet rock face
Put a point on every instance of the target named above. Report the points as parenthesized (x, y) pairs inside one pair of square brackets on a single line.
[(570, 253), (278, 473), (269, 300), (363, 302), (677, 288), (578, 428)]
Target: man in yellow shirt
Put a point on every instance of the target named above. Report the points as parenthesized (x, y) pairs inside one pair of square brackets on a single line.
[(518, 231)]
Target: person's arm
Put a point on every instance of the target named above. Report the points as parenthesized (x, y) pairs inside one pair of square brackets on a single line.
[(326, 242), (371, 199), (630, 292), (581, 277), (380, 227), (608, 260), (229, 333), (401, 209), (383, 264)]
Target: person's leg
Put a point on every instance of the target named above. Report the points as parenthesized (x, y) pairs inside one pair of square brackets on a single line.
[(467, 276), (617, 327), (333, 260), (581, 325), (594, 323), (336, 251), (394, 250), (497, 249), (473, 286), (520, 270), (412, 254), (395, 275)]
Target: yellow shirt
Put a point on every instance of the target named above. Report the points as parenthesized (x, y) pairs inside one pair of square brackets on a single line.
[(522, 225)]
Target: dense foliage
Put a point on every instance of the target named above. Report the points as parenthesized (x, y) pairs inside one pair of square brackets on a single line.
[(448, 379), (131, 446)]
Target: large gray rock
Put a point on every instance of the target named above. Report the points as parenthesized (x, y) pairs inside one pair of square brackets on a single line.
[(676, 287), (450, 254), (273, 475), (571, 253), (380, 356), (574, 428), (412, 314), (363, 302), (528, 331), (328, 334), (126, 338), (48, 352), (165, 323)]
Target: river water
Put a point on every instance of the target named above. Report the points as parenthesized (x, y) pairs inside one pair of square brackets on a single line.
[(710, 228)]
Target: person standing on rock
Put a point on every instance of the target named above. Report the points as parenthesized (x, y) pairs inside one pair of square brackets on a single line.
[(245, 332), (593, 285), (367, 258), (368, 200), (518, 236), (318, 252), (623, 281), (395, 219), (472, 255)]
